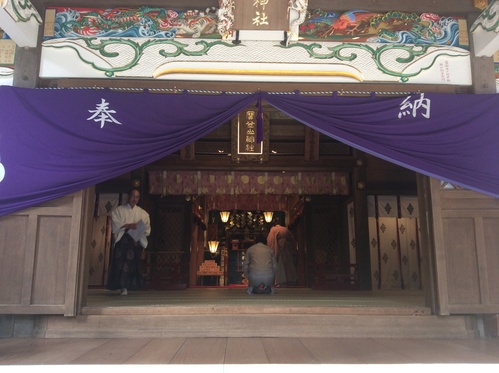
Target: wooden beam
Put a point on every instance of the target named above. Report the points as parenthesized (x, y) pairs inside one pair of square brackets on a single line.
[(168, 86), (173, 162), (441, 7)]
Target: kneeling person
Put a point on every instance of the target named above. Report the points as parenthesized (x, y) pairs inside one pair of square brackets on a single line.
[(259, 267)]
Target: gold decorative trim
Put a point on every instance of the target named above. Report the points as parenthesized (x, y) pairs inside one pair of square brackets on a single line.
[(162, 72)]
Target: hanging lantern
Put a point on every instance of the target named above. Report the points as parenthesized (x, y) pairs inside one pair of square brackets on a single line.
[(268, 216), (224, 215), (213, 246)]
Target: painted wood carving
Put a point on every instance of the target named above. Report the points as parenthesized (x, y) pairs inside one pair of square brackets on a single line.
[(391, 27), (352, 26), (322, 46), (144, 22)]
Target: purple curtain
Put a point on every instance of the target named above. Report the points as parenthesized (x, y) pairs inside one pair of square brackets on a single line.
[(54, 142), (450, 137)]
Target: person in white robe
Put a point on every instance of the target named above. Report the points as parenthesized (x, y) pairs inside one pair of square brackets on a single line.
[(130, 226)]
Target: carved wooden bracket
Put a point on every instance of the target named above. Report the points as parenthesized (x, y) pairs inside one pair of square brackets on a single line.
[(21, 21)]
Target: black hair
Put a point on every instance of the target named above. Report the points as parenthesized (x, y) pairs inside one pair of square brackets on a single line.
[(261, 239), (131, 190)]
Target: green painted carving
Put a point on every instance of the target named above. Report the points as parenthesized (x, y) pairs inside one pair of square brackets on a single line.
[(412, 52), (24, 11), (181, 48), (100, 45), (489, 19)]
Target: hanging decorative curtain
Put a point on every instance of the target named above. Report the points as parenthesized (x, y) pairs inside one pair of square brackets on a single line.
[(394, 242), (274, 202), (180, 182), (55, 142)]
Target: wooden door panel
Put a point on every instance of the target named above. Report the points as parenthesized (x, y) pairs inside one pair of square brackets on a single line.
[(328, 261), (491, 236), (169, 245), (462, 274), (13, 229), (41, 256), (465, 250)]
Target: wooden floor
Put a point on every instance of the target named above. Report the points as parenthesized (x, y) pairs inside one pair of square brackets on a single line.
[(224, 352), (238, 301)]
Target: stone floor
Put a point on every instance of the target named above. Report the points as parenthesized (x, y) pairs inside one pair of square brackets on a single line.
[(262, 354), (218, 353)]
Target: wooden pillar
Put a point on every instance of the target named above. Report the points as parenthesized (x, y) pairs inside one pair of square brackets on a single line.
[(482, 69), (483, 75), (427, 243), (196, 254), (27, 63), (359, 192), (483, 78), (188, 153), (311, 144)]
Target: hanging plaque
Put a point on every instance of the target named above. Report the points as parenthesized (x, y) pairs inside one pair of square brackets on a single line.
[(245, 146), (261, 14), (7, 52)]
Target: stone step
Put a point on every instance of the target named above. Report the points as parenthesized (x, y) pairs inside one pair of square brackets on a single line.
[(154, 324), (219, 312)]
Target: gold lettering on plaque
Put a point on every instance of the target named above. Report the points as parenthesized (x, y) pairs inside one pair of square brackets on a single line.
[(245, 145), (49, 23), (260, 16), (463, 32)]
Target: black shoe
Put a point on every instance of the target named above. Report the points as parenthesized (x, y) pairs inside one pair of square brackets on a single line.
[(259, 289)]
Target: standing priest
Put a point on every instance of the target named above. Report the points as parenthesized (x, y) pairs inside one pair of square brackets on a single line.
[(131, 226)]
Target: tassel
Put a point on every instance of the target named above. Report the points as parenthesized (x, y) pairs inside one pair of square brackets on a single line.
[(259, 121)]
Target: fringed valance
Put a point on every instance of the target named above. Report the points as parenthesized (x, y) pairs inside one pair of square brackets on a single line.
[(236, 183), (230, 202)]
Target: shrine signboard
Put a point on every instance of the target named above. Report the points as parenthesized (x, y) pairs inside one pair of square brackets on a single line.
[(245, 146), (261, 15)]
